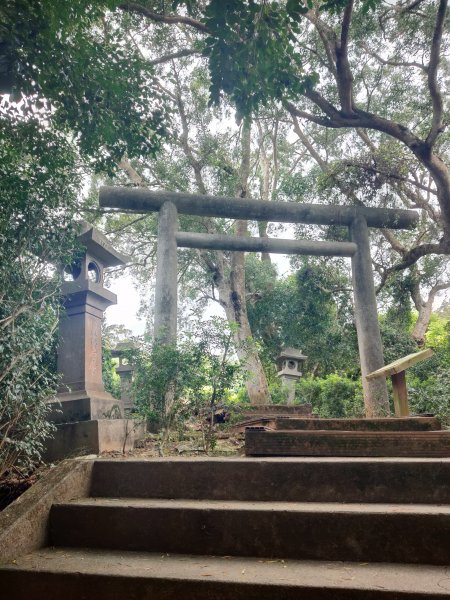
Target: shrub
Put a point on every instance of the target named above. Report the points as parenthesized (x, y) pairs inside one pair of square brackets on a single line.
[(332, 396)]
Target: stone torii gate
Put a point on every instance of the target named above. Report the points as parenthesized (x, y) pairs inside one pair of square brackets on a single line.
[(357, 219)]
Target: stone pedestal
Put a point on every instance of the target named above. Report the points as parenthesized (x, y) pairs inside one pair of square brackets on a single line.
[(81, 394)]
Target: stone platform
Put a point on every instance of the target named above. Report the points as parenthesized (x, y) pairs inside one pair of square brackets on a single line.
[(266, 410), (84, 406), (379, 424), (412, 436)]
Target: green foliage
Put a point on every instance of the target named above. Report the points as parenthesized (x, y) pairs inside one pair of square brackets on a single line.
[(38, 186), (111, 379), (171, 383), (431, 395), (72, 65), (252, 53), (429, 381), (397, 342), (310, 310), (332, 396)]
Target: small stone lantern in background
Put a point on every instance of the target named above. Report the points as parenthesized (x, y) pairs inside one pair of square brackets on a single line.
[(125, 371), (289, 363)]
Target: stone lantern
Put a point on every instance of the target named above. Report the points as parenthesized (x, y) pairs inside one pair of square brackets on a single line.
[(86, 415), (289, 363), (125, 371)]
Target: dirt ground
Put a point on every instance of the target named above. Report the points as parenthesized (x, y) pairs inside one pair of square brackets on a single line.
[(187, 444)]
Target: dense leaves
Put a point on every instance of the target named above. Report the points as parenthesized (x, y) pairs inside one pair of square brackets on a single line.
[(73, 63), (171, 384), (251, 52), (310, 310), (38, 185)]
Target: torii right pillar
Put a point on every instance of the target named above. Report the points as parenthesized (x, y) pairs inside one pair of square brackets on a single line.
[(376, 399)]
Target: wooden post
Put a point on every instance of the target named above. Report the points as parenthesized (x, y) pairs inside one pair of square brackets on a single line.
[(400, 394), (166, 293), (376, 398)]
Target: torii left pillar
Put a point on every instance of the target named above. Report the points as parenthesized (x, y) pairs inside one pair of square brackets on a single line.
[(166, 287)]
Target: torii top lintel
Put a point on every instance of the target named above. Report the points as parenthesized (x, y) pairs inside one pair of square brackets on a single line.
[(144, 200)]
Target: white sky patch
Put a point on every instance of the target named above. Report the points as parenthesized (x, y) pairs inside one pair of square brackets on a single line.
[(128, 299), (127, 307)]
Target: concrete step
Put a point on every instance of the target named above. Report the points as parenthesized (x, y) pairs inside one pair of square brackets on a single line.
[(92, 575), (306, 479), (347, 443), (395, 533), (378, 424)]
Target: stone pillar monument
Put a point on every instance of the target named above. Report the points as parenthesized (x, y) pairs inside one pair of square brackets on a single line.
[(87, 417), (289, 363)]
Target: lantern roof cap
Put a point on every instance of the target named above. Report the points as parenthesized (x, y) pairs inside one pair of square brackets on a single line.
[(99, 246), (122, 347), (291, 353)]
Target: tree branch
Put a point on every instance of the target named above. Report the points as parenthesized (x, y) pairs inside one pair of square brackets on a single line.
[(133, 175), (325, 34), (344, 74), (294, 111), (411, 257), (432, 70), (392, 175), (174, 55), (391, 62), (136, 8)]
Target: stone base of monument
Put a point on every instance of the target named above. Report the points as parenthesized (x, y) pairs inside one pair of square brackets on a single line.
[(90, 423), (92, 437), (84, 406)]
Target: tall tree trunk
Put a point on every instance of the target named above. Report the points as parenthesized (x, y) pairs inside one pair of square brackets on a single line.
[(424, 308), (233, 296), (233, 302)]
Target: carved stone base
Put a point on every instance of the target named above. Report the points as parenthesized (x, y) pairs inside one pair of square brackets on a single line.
[(92, 437), (85, 406)]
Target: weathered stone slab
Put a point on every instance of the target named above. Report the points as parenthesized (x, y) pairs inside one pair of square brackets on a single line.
[(379, 424), (72, 409), (389, 480), (92, 574), (347, 443), (266, 410), (285, 530)]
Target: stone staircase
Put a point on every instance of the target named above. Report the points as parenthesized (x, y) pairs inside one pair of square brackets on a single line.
[(394, 437), (246, 528)]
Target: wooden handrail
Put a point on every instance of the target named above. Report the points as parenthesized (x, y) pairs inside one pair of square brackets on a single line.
[(396, 370)]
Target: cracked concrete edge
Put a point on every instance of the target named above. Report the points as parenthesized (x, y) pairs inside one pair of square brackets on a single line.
[(24, 523)]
